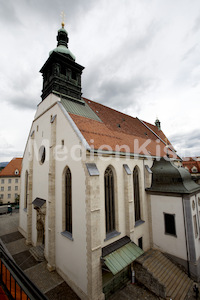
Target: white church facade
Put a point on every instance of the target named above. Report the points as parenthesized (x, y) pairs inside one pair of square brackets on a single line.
[(87, 187)]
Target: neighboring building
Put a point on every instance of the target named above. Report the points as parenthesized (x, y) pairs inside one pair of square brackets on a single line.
[(85, 172), (192, 164), (175, 213), (10, 183)]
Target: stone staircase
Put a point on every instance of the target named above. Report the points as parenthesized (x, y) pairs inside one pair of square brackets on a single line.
[(38, 252), (161, 276)]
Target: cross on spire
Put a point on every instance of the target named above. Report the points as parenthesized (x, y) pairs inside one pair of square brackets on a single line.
[(63, 18)]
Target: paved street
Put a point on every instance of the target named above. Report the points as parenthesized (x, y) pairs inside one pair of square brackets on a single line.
[(50, 283)]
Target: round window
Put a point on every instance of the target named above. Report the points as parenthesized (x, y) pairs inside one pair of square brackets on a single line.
[(42, 154)]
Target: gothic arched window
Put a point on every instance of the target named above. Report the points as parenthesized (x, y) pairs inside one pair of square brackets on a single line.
[(26, 190), (136, 188), (109, 200), (68, 201)]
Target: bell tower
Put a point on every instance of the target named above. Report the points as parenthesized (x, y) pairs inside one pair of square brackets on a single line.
[(61, 74)]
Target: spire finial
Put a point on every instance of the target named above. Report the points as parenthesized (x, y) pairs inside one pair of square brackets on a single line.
[(63, 19)]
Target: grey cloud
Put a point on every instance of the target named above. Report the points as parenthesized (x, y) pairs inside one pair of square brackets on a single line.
[(8, 13), (187, 143), (46, 9), (196, 26), (189, 52)]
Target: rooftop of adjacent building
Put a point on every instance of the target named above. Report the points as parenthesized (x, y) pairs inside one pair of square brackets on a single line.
[(13, 168), (192, 164)]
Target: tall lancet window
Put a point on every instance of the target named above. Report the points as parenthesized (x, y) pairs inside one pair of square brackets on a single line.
[(109, 200), (68, 201), (136, 187), (26, 190)]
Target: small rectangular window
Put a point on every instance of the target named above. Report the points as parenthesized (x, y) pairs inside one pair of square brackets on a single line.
[(16, 188), (170, 227), (2, 181), (140, 243), (9, 188), (9, 180), (9, 196), (2, 188), (1, 196), (195, 226), (16, 180)]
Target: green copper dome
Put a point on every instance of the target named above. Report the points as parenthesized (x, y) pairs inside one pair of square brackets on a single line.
[(62, 46)]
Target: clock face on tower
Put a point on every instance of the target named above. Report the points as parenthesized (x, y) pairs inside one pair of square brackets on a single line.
[(42, 154)]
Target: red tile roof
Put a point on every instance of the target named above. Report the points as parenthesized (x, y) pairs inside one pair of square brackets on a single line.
[(190, 163), (118, 129), (9, 170)]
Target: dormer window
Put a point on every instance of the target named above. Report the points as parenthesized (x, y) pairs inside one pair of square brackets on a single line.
[(194, 169), (16, 172)]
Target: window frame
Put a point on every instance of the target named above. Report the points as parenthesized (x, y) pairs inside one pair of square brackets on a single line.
[(67, 215), (136, 194), (26, 190), (166, 227), (109, 195)]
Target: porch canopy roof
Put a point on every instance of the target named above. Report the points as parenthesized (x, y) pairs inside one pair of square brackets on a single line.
[(121, 257)]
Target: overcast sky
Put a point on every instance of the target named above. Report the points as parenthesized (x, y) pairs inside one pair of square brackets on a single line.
[(141, 57)]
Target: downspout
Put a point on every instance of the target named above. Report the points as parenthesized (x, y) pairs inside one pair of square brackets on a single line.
[(186, 239)]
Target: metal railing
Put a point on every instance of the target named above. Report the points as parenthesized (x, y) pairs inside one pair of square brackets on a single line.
[(15, 282)]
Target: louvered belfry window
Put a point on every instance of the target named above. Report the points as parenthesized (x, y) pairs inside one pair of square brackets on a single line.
[(68, 200), (109, 200), (136, 188)]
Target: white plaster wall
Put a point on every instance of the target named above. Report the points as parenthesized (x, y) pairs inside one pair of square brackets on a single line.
[(173, 205), (25, 167), (71, 255), (45, 104)]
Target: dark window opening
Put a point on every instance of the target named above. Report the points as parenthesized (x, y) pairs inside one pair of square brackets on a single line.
[(109, 200), (170, 227), (63, 70), (26, 189), (136, 194), (74, 77), (140, 243), (68, 201)]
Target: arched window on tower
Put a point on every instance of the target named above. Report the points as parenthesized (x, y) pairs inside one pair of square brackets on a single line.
[(136, 188), (26, 190), (109, 200), (68, 201)]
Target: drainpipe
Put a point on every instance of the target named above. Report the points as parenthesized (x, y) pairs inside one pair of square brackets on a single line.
[(186, 239)]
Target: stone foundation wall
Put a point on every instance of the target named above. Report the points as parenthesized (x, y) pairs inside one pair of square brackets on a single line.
[(146, 278)]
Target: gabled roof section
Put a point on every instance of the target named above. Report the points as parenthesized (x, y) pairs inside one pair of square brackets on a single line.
[(112, 131), (12, 166)]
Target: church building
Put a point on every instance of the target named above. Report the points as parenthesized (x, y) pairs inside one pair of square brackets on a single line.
[(87, 195)]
